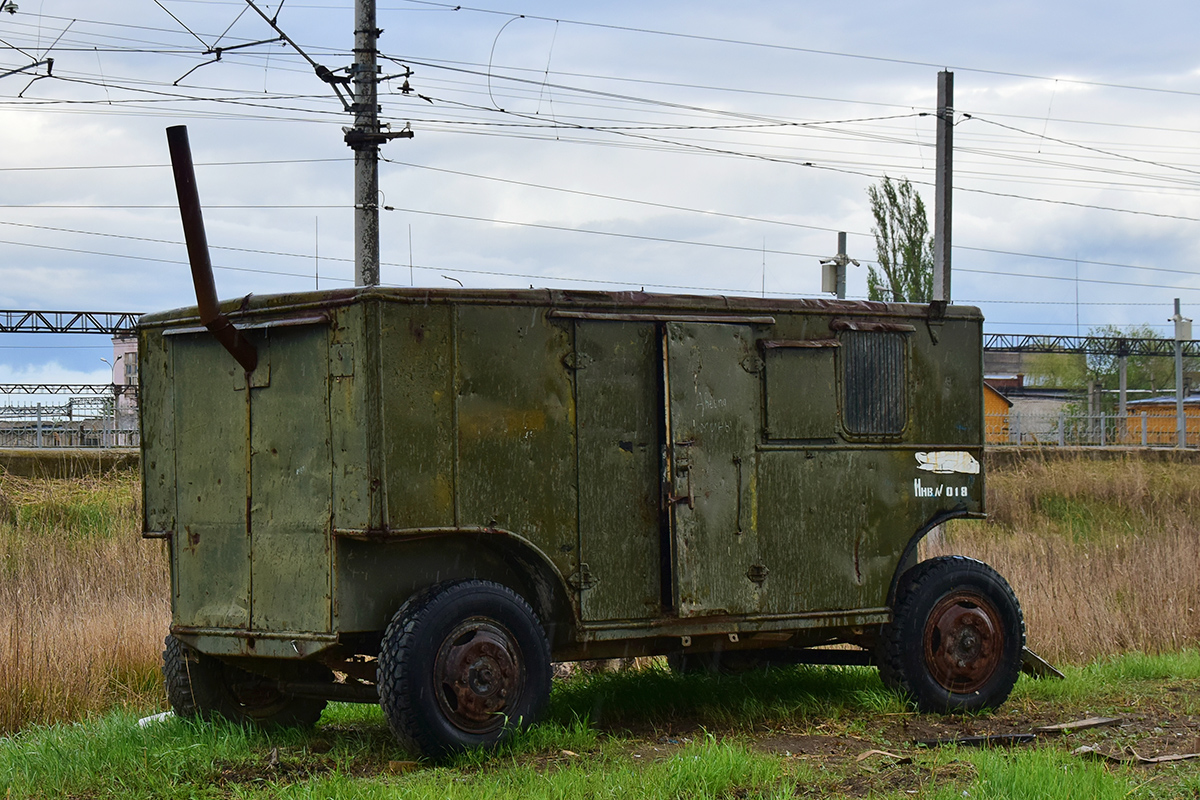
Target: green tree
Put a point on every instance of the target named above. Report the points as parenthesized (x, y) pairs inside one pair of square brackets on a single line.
[(1056, 370), (903, 245), (1156, 373), (1075, 371)]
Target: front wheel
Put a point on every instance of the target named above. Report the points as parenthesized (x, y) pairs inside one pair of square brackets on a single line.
[(956, 637), (463, 665)]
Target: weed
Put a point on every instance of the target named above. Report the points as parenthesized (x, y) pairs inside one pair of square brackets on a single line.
[(88, 600), (1102, 554)]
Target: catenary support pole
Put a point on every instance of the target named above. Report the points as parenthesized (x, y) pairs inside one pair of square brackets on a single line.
[(833, 270), (1122, 391), (944, 184), (366, 146), (841, 265), (1183, 330)]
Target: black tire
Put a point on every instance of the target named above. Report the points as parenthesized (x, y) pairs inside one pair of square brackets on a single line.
[(200, 686), (463, 665), (886, 673), (955, 640)]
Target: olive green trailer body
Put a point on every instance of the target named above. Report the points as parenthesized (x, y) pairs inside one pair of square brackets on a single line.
[(651, 474)]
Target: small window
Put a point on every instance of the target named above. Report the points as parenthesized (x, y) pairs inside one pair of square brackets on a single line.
[(801, 389), (874, 383)]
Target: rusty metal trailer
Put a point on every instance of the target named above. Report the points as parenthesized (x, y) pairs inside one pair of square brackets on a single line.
[(422, 497)]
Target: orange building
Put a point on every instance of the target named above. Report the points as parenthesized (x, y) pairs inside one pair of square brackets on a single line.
[(1156, 417), (995, 416)]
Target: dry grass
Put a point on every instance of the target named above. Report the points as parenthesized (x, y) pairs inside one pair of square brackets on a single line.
[(85, 600), (1104, 555)]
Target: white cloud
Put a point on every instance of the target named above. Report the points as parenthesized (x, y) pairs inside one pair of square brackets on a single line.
[(990, 46)]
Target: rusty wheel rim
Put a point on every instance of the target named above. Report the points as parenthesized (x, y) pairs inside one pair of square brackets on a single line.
[(964, 642), (478, 675)]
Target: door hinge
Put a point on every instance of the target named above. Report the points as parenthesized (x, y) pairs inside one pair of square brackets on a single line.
[(752, 363), (583, 579)]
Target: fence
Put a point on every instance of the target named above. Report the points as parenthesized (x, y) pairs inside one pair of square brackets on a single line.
[(81, 422), (52, 434), (1140, 429), (1136, 429)]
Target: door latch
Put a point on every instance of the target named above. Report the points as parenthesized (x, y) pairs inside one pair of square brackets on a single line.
[(683, 466)]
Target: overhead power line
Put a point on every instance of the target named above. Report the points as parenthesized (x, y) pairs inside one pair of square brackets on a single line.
[(797, 49), (525, 276), (1083, 146), (491, 178), (253, 162)]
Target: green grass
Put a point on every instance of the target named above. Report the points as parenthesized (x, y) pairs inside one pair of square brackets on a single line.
[(1035, 775), (1112, 682), (113, 757), (645, 734), (629, 699), (70, 510)]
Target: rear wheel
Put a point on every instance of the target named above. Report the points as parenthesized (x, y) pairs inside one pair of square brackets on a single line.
[(463, 665), (956, 637), (199, 685)]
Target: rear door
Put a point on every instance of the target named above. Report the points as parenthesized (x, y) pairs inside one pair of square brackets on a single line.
[(291, 480), (212, 546)]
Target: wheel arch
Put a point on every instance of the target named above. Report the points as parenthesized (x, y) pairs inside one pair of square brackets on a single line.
[(909, 554), (407, 563), (545, 588)]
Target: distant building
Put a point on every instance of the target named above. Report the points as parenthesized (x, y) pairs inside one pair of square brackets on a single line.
[(995, 415), (1033, 412), (125, 381), (1156, 417)]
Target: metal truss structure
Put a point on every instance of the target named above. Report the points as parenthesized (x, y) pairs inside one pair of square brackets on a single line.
[(64, 388), (1088, 345), (112, 323)]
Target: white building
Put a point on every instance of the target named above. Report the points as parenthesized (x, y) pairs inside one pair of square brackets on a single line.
[(125, 381)]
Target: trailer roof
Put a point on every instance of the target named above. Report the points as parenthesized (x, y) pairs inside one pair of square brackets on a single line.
[(641, 303)]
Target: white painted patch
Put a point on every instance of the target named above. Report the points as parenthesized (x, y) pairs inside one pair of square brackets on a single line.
[(146, 722), (948, 461)]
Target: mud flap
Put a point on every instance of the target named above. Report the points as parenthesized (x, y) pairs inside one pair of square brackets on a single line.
[(1038, 667)]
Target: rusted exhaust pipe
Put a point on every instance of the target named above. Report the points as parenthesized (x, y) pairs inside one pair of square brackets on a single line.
[(197, 246)]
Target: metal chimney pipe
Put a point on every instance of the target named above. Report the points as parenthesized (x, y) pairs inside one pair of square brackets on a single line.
[(197, 246)]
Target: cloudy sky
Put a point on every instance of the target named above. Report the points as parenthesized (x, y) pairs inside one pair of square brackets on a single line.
[(677, 146)]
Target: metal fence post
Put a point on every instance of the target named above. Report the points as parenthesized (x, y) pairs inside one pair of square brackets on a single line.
[(1144, 437), (1103, 430), (38, 434), (1062, 429)]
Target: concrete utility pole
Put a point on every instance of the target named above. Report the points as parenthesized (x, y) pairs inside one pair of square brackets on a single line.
[(364, 138), (366, 151), (944, 184), (833, 270), (1183, 333)]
